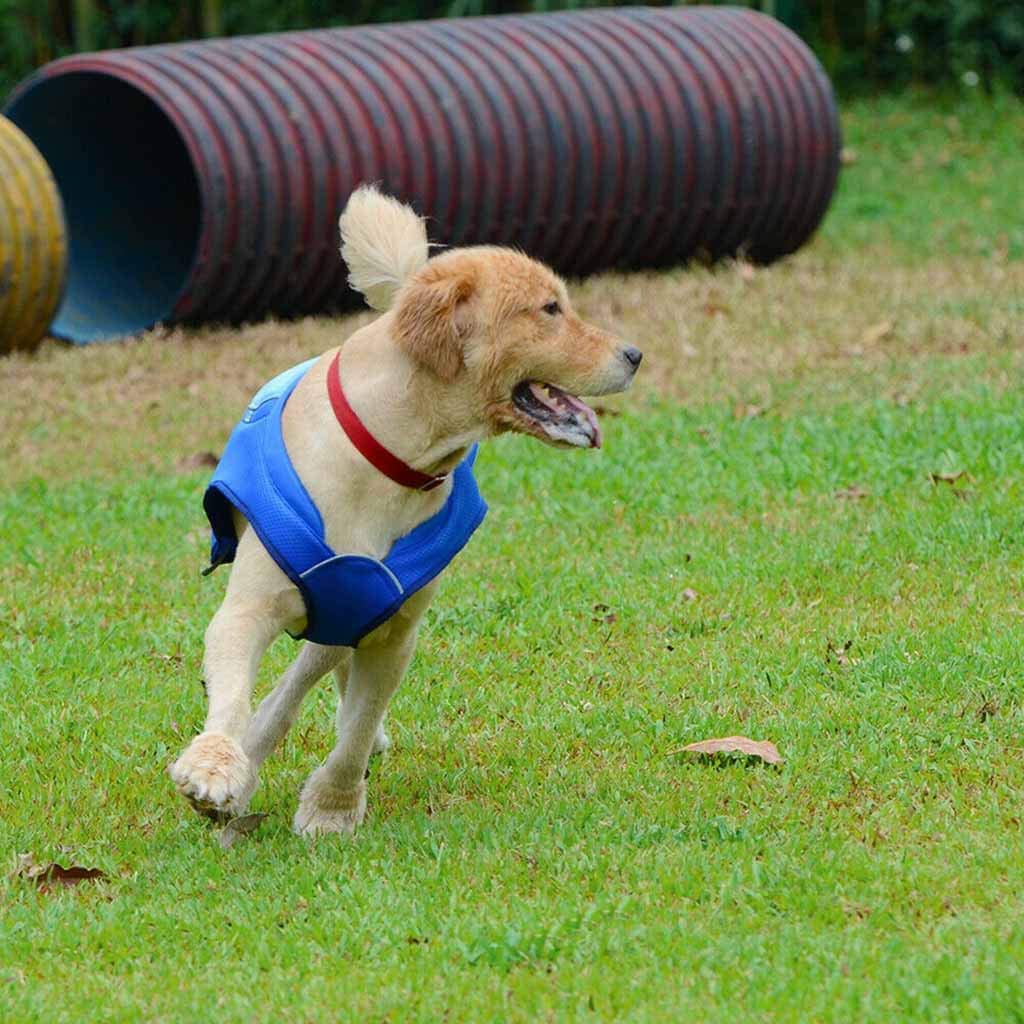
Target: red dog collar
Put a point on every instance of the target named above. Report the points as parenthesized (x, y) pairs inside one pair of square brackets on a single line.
[(369, 447)]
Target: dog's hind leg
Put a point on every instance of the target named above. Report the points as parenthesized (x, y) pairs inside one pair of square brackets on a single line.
[(333, 798), (381, 741), (277, 712)]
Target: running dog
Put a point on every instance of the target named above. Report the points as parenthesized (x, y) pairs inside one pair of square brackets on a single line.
[(348, 487)]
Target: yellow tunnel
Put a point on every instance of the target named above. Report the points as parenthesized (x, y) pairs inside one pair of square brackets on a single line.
[(33, 243)]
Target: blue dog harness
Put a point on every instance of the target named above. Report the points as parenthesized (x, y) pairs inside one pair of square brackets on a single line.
[(349, 595)]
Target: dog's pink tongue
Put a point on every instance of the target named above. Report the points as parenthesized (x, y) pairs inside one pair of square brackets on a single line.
[(585, 412)]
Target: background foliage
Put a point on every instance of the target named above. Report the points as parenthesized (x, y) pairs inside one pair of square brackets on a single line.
[(865, 44)]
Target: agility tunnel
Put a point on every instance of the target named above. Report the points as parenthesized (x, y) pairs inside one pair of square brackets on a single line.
[(202, 181), (33, 251)]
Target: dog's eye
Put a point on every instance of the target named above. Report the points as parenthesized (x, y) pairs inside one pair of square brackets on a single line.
[(552, 309)]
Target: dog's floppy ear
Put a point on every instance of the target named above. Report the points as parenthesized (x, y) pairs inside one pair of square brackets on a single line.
[(432, 319)]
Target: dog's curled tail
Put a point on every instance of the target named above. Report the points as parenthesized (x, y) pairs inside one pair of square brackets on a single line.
[(383, 242)]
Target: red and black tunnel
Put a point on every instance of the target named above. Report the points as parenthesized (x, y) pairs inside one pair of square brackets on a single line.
[(202, 181)]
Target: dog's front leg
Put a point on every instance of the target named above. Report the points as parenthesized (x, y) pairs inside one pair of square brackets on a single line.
[(213, 772), (334, 796)]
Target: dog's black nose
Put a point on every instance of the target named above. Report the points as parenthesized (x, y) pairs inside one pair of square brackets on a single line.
[(632, 355)]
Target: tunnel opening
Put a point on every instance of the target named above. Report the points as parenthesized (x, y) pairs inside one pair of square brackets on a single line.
[(131, 201)]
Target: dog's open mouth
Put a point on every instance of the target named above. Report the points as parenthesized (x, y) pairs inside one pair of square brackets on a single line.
[(561, 417)]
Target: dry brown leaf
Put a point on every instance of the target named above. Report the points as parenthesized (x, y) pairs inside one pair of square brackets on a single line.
[(988, 708), (25, 866), (763, 749), (48, 877), (877, 332), (748, 412), (247, 822), (196, 461), (238, 827), (55, 874), (852, 493), (947, 478), (839, 653)]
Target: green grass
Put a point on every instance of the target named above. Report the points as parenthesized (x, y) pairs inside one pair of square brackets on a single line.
[(932, 177), (537, 847)]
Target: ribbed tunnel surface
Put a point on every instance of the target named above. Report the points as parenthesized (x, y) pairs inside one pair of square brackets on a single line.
[(130, 197), (203, 181), (33, 246)]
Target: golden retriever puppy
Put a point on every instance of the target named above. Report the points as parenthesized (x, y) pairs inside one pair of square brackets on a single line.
[(472, 343)]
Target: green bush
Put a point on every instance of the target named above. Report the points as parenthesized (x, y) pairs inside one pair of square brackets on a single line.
[(894, 43), (864, 44)]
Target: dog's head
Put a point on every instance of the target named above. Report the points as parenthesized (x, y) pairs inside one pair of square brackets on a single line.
[(498, 329)]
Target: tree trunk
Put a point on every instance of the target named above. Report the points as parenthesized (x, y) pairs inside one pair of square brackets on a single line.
[(211, 18), (85, 14)]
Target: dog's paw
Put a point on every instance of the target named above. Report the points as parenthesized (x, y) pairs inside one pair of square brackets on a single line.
[(214, 775), (324, 809)]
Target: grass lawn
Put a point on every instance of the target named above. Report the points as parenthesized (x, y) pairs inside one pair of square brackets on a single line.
[(806, 526)]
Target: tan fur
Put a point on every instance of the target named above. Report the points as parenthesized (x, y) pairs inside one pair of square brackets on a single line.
[(430, 319), (429, 378), (383, 242)]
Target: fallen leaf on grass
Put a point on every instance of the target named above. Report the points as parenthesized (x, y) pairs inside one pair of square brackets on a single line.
[(947, 478), (877, 332), (840, 654), (48, 877), (748, 412), (56, 874), (852, 493), (763, 749), (989, 707), (238, 827), (855, 910), (198, 460)]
